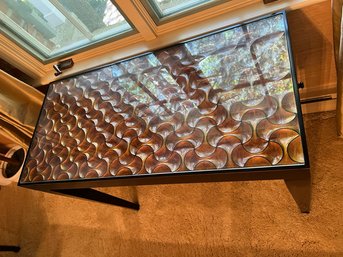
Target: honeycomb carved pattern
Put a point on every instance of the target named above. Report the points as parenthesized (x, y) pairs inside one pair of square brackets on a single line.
[(160, 113)]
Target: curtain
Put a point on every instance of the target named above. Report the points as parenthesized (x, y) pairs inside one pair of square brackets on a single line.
[(338, 47), (19, 110)]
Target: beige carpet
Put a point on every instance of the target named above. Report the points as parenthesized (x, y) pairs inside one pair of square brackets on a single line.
[(215, 219)]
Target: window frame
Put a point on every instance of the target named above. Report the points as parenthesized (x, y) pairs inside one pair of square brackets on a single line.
[(160, 19), (27, 44)]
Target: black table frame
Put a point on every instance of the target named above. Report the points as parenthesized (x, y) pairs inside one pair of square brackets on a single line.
[(9, 248), (297, 180), (297, 177)]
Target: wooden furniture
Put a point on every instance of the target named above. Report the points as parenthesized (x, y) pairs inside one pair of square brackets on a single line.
[(222, 107)]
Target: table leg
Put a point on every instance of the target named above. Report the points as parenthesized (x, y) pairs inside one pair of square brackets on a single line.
[(9, 248), (94, 195), (300, 189)]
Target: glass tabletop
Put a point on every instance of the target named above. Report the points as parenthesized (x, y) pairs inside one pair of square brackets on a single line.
[(222, 102)]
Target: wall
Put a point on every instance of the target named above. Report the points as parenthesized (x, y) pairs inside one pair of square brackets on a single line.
[(312, 43)]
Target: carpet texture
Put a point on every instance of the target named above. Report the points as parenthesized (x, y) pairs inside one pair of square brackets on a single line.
[(211, 219)]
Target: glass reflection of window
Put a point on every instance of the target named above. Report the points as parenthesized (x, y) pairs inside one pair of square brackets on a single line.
[(225, 58), (145, 79), (240, 62)]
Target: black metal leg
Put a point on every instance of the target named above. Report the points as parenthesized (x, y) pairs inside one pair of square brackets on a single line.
[(9, 248), (94, 195), (301, 191)]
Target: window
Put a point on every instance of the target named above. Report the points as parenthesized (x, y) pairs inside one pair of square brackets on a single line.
[(54, 28), (167, 8)]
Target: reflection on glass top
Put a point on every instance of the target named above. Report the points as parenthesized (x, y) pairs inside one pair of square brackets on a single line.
[(165, 8), (222, 102), (55, 27)]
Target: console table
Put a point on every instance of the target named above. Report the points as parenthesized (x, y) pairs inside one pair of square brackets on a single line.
[(221, 107)]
